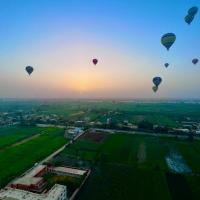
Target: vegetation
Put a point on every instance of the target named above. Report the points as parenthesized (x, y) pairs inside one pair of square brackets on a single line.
[(72, 183), (134, 166), (14, 134), (15, 160)]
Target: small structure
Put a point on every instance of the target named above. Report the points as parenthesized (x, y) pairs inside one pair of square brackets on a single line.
[(73, 132), (198, 132), (182, 130), (65, 171)]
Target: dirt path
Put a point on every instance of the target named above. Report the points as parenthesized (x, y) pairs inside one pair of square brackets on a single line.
[(25, 140), (77, 114), (21, 142), (141, 153)]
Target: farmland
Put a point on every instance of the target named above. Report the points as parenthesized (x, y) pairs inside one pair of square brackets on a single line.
[(16, 159), (126, 166), (123, 166), (14, 134)]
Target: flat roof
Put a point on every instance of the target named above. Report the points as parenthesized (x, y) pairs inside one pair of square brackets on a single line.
[(16, 194), (28, 180), (35, 171), (70, 170)]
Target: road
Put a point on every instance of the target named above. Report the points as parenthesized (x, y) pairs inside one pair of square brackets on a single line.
[(113, 131)]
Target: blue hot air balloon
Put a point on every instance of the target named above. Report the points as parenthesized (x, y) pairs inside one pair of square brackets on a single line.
[(157, 81), (195, 61), (29, 70), (166, 65), (168, 40)]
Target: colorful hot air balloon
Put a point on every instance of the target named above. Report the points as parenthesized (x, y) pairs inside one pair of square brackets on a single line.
[(195, 61), (168, 40), (166, 65), (29, 70), (193, 11), (155, 88), (189, 19), (157, 81), (95, 61)]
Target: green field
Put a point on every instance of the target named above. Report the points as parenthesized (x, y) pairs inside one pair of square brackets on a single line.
[(15, 160), (119, 171), (14, 134)]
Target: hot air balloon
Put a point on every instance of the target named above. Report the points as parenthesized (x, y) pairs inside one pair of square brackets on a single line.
[(95, 61), (168, 40), (157, 81), (166, 65), (155, 88), (189, 19), (29, 70), (193, 11), (195, 61)]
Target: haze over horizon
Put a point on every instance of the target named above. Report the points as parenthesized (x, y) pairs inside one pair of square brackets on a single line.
[(60, 38)]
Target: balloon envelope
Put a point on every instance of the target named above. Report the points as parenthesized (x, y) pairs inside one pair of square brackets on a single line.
[(155, 88), (189, 19), (29, 70), (193, 11), (166, 65), (157, 81), (95, 61), (195, 61), (168, 40)]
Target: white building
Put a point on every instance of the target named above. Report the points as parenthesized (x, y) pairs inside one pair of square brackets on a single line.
[(67, 171), (198, 132), (73, 132), (57, 192)]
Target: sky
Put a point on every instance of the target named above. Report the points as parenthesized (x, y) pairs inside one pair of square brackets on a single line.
[(59, 38)]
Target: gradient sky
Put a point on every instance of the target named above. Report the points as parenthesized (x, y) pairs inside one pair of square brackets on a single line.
[(59, 38)]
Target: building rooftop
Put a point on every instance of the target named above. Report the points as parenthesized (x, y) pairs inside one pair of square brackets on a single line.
[(16, 194), (35, 171), (28, 180), (70, 170)]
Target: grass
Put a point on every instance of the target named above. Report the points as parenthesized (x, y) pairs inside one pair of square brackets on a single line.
[(15, 160), (14, 134), (117, 173), (111, 181)]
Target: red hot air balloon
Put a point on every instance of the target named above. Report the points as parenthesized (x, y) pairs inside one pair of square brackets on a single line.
[(195, 61), (95, 61)]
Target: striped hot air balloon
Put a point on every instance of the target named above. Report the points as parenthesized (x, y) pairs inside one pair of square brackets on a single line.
[(193, 11), (168, 40), (189, 19)]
